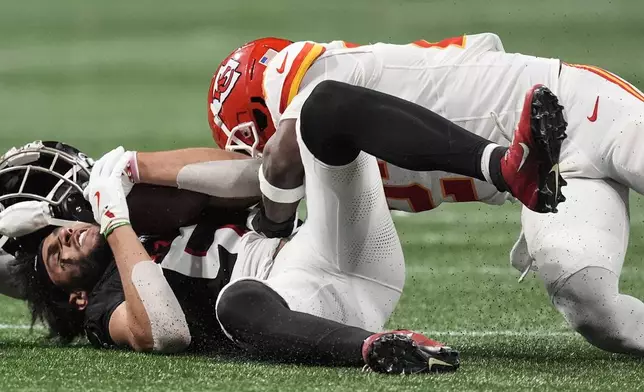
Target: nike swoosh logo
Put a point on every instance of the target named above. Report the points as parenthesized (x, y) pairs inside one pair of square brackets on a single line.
[(433, 361), (108, 213), (593, 117), (555, 169), (281, 69), (526, 152)]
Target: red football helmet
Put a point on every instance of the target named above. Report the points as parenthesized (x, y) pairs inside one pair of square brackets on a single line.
[(237, 113)]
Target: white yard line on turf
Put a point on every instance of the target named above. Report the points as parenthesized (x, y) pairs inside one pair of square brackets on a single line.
[(510, 333), (19, 326), (479, 270), (442, 270)]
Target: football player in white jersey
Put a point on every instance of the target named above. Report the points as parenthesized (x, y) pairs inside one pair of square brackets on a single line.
[(264, 87)]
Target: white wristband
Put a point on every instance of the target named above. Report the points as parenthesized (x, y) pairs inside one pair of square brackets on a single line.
[(279, 195)]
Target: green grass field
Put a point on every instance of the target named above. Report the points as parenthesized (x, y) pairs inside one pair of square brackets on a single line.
[(97, 74)]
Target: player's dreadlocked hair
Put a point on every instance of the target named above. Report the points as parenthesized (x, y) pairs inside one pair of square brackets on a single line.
[(47, 303)]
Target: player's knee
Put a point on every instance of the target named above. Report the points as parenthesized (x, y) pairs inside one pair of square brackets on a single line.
[(325, 123), (597, 326), (324, 104), (581, 311), (588, 301), (234, 302), (320, 112), (243, 303)]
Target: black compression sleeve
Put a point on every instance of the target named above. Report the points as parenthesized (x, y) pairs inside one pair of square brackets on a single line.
[(339, 120), (259, 320)]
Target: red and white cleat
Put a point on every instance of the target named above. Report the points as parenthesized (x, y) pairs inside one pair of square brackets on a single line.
[(530, 166), (407, 352)]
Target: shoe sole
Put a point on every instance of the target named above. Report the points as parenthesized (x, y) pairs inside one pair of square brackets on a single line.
[(399, 354), (548, 128)]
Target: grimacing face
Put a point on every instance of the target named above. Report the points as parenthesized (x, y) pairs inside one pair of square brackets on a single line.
[(67, 250)]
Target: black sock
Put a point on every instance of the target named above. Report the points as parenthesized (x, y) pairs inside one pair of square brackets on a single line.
[(259, 319), (495, 168), (339, 120)]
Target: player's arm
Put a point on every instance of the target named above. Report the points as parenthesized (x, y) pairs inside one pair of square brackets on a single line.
[(282, 173), (122, 333), (211, 171), (150, 317), (228, 177), (281, 180), (184, 182)]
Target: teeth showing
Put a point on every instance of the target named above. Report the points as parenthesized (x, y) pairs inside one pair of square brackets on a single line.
[(81, 238)]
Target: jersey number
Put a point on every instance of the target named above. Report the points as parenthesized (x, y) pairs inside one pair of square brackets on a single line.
[(460, 189)]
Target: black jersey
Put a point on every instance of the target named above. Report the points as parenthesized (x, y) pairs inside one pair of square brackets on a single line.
[(197, 264)]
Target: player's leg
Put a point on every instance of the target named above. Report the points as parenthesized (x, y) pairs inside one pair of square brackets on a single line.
[(350, 234), (579, 254), (350, 226), (606, 126), (258, 319), (344, 119), (624, 159), (346, 211), (348, 238), (261, 321), (591, 302)]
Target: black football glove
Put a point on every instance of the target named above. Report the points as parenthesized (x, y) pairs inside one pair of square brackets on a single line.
[(261, 224)]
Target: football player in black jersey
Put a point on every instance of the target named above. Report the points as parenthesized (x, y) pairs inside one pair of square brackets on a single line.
[(75, 290), (167, 294)]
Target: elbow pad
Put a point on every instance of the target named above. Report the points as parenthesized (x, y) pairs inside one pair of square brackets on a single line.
[(170, 332)]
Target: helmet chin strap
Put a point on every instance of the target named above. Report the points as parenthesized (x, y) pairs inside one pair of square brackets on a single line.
[(51, 221), (62, 222)]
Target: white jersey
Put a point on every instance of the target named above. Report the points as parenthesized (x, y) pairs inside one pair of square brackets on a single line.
[(203, 251), (463, 79)]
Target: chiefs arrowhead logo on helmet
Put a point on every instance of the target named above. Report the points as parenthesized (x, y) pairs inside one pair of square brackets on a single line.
[(237, 112), (225, 81)]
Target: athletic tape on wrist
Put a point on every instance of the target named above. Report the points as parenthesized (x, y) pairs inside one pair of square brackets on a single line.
[(279, 195), (110, 229), (132, 168)]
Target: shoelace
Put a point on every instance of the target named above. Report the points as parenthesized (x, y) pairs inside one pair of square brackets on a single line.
[(509, 136), (526, 271)]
